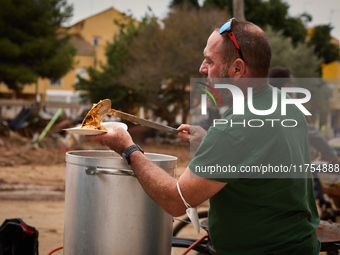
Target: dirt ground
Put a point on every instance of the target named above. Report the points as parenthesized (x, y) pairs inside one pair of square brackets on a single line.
[(32, 184)]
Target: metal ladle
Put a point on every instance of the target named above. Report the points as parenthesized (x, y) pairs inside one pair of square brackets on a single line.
[(103, 108)]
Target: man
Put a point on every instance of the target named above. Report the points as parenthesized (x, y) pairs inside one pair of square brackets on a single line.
[(247, 216), (280, 77)]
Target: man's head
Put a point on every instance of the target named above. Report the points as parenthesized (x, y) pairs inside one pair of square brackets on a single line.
[(280, 77), (222, 59)]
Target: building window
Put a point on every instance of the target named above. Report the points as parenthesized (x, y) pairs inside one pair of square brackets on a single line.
[(55, 82), (95, 41)]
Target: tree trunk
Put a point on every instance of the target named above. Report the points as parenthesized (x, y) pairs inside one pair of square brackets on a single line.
[(238, 10)]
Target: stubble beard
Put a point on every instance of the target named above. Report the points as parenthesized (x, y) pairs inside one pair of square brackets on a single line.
[(225, 94)]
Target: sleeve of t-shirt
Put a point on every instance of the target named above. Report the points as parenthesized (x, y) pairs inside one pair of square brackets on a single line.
[(221, 156)]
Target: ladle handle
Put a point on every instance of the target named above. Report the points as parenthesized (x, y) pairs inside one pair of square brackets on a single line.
[(142, 122)]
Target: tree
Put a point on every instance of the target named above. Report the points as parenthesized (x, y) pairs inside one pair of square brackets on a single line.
[(303, 63), (275, 13), (31, 42), (272, 12), (181, 3), (164, 58), (324, 48), (219, 4), (301, 59)]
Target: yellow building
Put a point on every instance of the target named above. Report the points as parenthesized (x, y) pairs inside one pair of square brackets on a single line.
[(90, 37)]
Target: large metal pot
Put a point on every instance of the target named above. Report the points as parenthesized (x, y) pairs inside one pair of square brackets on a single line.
[(108, 212)]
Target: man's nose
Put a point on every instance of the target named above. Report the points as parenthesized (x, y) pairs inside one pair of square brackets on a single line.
[(203, 68)]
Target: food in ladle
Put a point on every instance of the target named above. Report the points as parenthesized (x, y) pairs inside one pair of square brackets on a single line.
[(92, 119)]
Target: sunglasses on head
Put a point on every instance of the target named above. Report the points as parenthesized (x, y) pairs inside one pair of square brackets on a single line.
[(226, 28)]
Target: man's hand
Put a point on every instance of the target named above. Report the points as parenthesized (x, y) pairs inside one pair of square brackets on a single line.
[(191, 134), (118, 139)]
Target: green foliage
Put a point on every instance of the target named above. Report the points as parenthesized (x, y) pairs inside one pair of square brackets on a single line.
[(164, 58), (151, 64), (303, 63), (272, 12), (301, 59), (276, 14), (30, 45), (324, 48), (219, 4), (181, 3)]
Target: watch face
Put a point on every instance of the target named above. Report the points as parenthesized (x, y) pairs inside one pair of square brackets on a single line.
[(125, 158)]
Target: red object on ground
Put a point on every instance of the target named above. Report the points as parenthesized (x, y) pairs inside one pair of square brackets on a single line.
[(55, 249)]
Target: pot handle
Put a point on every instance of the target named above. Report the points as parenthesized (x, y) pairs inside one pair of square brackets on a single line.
[(91, 170)]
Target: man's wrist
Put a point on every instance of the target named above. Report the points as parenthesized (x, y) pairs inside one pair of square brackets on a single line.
[(128, 151)]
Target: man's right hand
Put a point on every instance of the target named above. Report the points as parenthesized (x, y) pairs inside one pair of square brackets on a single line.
[(191, 134)]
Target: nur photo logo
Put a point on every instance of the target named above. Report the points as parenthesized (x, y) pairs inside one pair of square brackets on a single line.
[(204, 97), (238, 103)]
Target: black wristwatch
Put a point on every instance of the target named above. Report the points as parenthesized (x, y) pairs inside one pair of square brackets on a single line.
[(126, 154)]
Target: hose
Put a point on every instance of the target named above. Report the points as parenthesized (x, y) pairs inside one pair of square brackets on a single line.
[(194, 244), (55, 249)]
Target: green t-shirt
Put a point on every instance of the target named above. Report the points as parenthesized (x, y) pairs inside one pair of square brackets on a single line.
[(260, 215)]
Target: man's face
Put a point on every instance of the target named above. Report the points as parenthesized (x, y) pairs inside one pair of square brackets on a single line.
[(212, 65)]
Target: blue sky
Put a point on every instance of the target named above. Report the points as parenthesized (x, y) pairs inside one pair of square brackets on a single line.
[(322, 11)]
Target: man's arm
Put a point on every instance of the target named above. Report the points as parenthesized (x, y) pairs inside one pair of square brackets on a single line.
[(318, 141), (159, 185), (163, 188)]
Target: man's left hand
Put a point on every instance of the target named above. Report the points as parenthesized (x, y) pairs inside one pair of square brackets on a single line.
[(118, 139)]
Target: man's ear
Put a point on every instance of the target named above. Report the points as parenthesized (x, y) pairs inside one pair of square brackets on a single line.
[(238, 68)]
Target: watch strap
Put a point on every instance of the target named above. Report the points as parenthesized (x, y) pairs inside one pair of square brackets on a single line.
[(126, 154)]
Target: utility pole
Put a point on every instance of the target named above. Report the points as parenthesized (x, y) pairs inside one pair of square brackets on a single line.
[(238, 10)]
